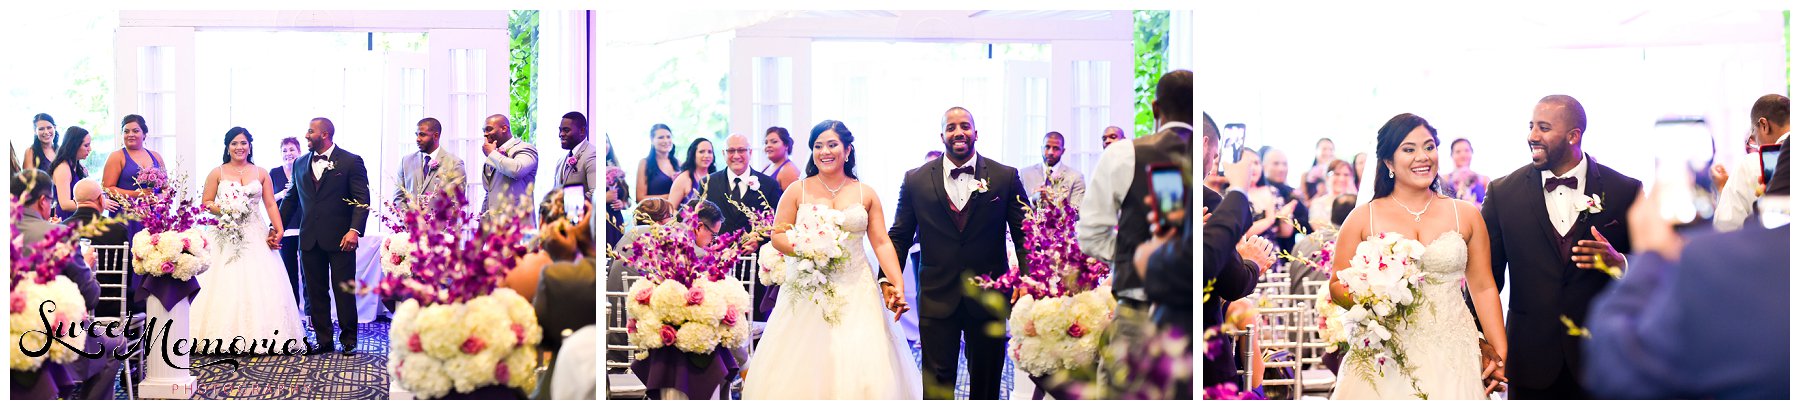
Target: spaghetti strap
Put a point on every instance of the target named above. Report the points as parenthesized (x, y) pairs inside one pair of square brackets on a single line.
[(1457, 211), (1372, 216)]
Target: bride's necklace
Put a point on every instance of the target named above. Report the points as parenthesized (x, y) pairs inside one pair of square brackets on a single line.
[(1417, 216), (834, 191)]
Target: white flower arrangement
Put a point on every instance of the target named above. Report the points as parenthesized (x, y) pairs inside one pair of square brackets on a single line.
[(695, 319), (1060, 332), (396, 254), (819, 249), (26, 327), (980, 186), (1331, 325), (1590, 204), (180, 255), (772, 266), (488, 341), (1386, 284)]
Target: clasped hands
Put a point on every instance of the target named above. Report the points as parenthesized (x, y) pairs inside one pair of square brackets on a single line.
[(895, 299)]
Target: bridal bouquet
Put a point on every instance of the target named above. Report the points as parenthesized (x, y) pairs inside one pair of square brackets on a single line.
[(170, 245), (458, 331), (1386, 286), (688, 298), (235, 207), (818, 242), (1057, 322), (36, 278)]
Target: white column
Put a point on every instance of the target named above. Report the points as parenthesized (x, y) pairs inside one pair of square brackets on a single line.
[(162, 380)]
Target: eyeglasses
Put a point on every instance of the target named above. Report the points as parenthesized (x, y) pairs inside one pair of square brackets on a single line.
[(737, 151)]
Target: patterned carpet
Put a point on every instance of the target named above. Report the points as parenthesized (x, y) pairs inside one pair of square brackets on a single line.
[(330, 376), (962, 374)]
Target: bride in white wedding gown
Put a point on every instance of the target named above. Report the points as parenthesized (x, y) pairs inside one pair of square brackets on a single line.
[(1440, 342), (863, 355), (246, 293)]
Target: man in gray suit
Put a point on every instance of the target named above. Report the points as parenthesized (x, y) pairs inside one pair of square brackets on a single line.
[(508, 168), (431, 170), (578, 166), (99, 375)]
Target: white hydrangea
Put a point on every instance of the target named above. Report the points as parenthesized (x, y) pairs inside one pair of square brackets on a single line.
[(697, 337), (26, 329)]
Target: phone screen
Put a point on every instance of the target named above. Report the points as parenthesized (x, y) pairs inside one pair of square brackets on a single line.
[(1231, 142), (574, 203), (1169, 190), (1770, 154)]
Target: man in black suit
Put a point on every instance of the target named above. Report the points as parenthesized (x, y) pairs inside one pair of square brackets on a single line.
[(1232, 262), (31, 189), (960, 210), (737, 185), (1552, 247), (329, 179)]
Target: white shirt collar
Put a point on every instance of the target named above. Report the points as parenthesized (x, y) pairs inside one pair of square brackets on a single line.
[(1783, 137), (952, 165), (327, 153), (745, 175), (1175, 124), (1579, 172)]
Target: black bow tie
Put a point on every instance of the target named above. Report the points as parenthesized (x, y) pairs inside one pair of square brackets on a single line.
[(962, 170), (1550, 184), (318, 158)]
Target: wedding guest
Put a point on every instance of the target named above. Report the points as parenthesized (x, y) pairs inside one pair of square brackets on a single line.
[(31, 189), (578, 166), (1265, 204), (656, 175), (1067, 180), (1658, 333), (1339, 180), (119, 177), (290, 237), (778, 145), (89, 204), (1111, 135), (1768, 125), (66, 169), (527, 272), (1356, 165), (933, 155), (564, 298), (1324, 152), (694, 171), (617, 198), (1275, 173), (509, 167), (1232, 263), (1463, 182), (1111, 224), (577, 380), (711, 218), (432, 169), (1337, 208), (44, 143)]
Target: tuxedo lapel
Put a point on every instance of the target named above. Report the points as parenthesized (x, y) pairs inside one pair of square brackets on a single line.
[(312, 183), (940, 198), (1539, 210)]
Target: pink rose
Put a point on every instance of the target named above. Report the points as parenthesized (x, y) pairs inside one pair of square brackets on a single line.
[(413, 343), (169, 267), (155, 239), (399, 259), (696, 296), (631, 326), (1031, 328), (570, 162), (668, 335), (1075, 330), (473, 345), (518, 333), (731, 316), (501, 374), (642, 296), (185, 244)]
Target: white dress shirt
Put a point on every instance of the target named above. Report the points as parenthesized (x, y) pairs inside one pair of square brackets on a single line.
[(742, 181), (1561, 202), (1096, 231), (962, 186), (1739, 192), (318, 167)]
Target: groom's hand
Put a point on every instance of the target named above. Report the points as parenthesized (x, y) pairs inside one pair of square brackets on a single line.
[(349, 242), (1493, 373), (274, 239), (1586, 251)]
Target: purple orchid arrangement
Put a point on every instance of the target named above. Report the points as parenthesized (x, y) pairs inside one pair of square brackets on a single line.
[(671, 252), (38, 262), (1053, 265), (166, 208), (458, 257)]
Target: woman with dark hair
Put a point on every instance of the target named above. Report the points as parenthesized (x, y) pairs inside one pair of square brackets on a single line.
[(656, 175), (66, 169), (778, 145), (694, 171), (616, 197), (848, 347), (44, 143), (1339, 180), (1463, 183), (1264, 200), (119, 177), (247, 294), (1450, 239)]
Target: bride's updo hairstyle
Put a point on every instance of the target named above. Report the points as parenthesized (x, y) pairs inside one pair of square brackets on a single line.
[(249, 154), (812, 167), (1388, 140)]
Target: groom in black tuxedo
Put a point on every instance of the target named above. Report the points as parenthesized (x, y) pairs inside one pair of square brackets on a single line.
[(328, 179), (960, 210), (1536, 228), (737, 185)]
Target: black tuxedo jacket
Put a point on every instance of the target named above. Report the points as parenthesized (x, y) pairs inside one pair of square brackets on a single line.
[(1546, 284), (952, 256), (1231, 277), (320, 203), (719, 192)]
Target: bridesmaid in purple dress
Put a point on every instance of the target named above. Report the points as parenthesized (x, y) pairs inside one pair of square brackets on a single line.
[(120, 177)]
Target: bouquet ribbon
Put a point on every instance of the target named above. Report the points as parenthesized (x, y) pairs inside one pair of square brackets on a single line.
[(670, 368), (169, 290)]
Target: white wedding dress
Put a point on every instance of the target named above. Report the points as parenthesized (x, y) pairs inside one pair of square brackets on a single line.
[(863, 356), (1441, 343), (249, 296)]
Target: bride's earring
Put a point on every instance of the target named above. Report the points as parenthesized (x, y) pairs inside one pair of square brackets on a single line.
[(1390, 172)]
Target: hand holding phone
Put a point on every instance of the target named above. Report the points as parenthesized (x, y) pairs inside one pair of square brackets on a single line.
[(574, 203), (1169, 193)]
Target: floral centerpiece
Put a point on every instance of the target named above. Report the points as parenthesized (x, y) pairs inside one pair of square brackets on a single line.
[(1385, 286), (688, 311), (37, 286), (457, 333), (171, 249), (1063, 304)]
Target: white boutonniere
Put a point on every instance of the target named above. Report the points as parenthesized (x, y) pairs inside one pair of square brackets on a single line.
[(1589, 204), (330, 165), (753, 183), (981, 186)]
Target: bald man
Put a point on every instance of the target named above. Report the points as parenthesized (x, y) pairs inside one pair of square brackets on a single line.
[(508, 167), (1111, 135), (737, 189)]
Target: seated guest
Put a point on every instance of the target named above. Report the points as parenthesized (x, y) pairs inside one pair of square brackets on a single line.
[(89, 204), (98, 376), (1302, 271), (1463, 183), (524, 276), (1339, 180), (576, 381), (1704, 320), (648, 213), (565, 298)]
